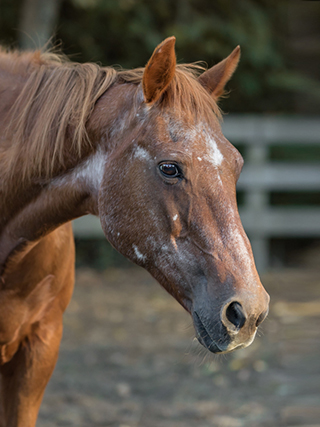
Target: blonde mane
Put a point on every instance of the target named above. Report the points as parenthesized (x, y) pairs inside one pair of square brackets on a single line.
[(57, 99)]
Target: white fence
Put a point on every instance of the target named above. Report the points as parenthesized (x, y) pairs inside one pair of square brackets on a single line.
[(259, 177)]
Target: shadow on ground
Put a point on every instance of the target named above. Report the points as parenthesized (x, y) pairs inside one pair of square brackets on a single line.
[(128, 359)]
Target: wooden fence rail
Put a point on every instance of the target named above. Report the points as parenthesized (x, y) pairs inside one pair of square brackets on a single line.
[(260, 176)]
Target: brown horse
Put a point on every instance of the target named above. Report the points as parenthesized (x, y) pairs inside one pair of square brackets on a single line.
[(141, 149)]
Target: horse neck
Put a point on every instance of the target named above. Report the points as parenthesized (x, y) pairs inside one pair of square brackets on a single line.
[(44, 208), (31, 209), (38, 206)]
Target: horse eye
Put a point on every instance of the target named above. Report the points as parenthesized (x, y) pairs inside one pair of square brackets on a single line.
[(170, 170)]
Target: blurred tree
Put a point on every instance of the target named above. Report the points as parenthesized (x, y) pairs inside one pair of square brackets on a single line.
[(37, 22), (126, 31), (304, 52), (270, 78), (9, 12)]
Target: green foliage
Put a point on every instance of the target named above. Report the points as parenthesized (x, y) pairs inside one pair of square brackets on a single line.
[(9, 20), (125, 32)]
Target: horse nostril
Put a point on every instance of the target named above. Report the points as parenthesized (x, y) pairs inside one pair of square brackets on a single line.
[(235, 314), (261, 317)]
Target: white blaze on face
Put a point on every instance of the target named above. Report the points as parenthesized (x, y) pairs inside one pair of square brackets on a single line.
[(193, 134), (214, 155), (211, 153)]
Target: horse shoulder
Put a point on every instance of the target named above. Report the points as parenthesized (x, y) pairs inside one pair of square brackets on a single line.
[(37, 287)]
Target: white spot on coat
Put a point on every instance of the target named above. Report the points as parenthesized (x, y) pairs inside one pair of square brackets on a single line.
[(141, 153), (174, 243), (138, 254), (90, 171)]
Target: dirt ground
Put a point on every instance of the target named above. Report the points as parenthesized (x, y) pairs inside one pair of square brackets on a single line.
[(128, 359)]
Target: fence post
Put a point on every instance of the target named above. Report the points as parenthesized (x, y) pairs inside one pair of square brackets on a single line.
[(256, 202)]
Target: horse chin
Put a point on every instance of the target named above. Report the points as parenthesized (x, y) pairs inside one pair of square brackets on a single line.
[(210, 345), (213, 347)]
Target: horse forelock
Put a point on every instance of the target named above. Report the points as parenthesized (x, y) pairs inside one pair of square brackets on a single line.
[(188, 97)]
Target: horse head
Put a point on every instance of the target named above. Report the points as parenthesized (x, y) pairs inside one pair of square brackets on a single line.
[(168, 197)]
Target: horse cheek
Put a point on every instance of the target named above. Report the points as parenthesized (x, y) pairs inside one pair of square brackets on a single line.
[(120, 204)]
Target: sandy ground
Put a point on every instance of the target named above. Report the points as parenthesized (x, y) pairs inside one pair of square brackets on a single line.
[(128, 359)]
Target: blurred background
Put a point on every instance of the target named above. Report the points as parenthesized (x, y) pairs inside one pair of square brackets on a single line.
[(127, 358)]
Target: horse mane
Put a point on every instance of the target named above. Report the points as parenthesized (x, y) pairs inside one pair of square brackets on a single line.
[(58, 97)]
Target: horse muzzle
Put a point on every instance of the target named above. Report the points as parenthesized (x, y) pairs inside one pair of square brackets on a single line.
[(233, 328)]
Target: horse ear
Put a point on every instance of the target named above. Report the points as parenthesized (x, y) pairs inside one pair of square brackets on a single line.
[(159, 70), (215, 79)]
